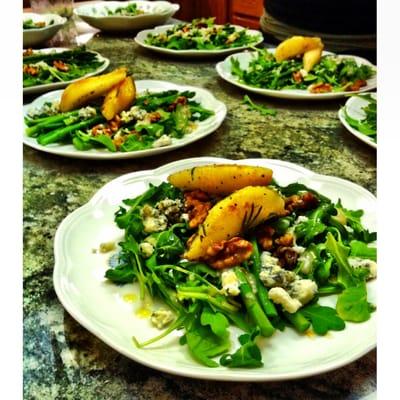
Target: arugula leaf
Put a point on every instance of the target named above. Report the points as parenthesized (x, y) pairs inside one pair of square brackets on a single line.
[(261, 109), (217, 321), (248, 355), (362, 250), (340, 253), (352, 304), (323, 319), (315, 225), (353, 220), (168, 247), (203, 343)]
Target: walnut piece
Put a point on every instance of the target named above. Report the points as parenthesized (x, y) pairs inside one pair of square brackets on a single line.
[(264, 236), (304, 201), (228, 253), (359, 83), (60, 65), (320, 88), (31, 70), (197, 205)]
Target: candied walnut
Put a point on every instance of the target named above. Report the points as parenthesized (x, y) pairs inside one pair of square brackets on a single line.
[(27, 52), (197, 205), (359, 83), (228, 253), (29, 69), (98, 129), (179, 100), (154, 116), (297, 77), (285, 240), (61, 66), (264, 236), (320, 88), (287, 256), (304, 201)]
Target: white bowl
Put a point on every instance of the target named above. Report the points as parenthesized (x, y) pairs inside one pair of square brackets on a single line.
[(155, 13), (33, 37)]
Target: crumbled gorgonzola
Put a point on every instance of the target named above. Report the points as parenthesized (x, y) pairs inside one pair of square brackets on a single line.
[(164, 140), (371, 265), (146, 249), (280, 296), (303, 290), (230, 283), (161, 318), (153, 220), (87, 112), (272, 274), (134, 113)]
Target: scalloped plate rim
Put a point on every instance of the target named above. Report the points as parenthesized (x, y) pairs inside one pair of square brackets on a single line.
[(191, 53), (353, 131), (58, 85), (198, 372), (292, 94), (209, 127)]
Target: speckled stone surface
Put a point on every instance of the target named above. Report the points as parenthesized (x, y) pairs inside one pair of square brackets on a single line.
[(64, 361)]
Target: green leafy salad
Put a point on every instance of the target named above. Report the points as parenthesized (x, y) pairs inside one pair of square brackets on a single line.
[(330, 74), (30, 24), (129, 11), (153, 121), (42, 68), (366, 125), (202, 34), (317, 248)]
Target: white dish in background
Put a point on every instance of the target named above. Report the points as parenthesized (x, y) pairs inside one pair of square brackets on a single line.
[(142, 36), (99, 306), (58, 85), (244, 58), (33, 37), (204, 128), (155, 13), (354, 107)]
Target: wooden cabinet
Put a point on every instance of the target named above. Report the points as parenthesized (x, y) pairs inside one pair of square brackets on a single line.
[(246, 12), (241, 12)]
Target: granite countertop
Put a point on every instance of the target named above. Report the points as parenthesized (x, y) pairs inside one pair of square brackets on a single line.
[(62, 360)]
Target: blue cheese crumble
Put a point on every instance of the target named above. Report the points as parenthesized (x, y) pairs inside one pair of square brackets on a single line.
[(285, 287), (161, 318), (230, 283)]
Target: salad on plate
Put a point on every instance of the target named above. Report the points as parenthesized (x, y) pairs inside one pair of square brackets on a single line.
[(31, 24), (41, 67), (226, 245), (359, 114), (298, 67), (107, 112), (201, 34), (130, 10)]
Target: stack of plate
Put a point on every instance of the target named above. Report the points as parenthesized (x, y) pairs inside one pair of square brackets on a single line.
[(333, 42)]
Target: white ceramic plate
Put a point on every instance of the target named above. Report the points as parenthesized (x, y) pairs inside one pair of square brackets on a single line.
[(204, 128), (224, 71), (155, 13), (354, 107), (33, 37), (100, 307), (57, 85), (142, 36)]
